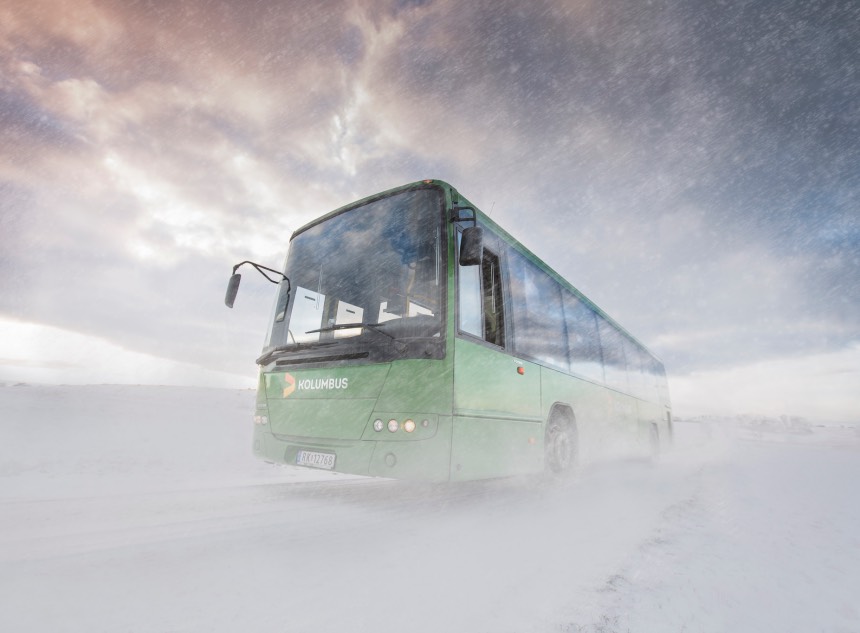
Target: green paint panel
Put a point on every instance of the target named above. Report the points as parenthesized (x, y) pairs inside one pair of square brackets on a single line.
[(362, 381), (487, 383), (423, 386), (591, 405), (485, 448), (424, 461), (332, 403), (497, 423), (588, 401), (317, 418)]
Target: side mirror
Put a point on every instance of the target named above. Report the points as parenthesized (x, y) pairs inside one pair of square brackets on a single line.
[(232, 289), (472, 246)]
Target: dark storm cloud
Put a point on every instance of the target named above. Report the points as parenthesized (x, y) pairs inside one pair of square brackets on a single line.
[(25, 127), (690, 166)]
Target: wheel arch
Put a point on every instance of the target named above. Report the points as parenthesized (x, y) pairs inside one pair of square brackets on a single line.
[(564, 411), (560, 416)]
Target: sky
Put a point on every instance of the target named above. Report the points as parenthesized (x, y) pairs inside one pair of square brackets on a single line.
[(693, 167)]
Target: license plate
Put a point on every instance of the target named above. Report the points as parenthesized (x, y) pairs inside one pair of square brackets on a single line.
[(315, 460)]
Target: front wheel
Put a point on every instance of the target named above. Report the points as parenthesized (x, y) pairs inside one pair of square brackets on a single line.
[(560, 446)]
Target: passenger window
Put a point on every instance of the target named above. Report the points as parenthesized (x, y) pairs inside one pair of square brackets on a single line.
[(614, 362), (582, 338), (539, 328), (481, 305)]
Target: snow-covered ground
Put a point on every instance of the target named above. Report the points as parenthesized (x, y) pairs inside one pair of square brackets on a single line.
[(141, 509)]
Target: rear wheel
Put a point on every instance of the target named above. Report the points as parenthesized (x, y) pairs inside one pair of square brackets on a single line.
[(560, 445)]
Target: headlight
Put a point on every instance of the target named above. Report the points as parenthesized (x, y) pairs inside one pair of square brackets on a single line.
[(378, 425), (393, 426), (409, 426)]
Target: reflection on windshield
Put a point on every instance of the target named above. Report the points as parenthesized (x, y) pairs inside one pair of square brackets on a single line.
[(376, 265)]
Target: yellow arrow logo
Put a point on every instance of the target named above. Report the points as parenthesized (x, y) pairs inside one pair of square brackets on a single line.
[(289, 385)]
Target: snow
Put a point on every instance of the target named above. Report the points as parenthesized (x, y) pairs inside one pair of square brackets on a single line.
[(141, 509)]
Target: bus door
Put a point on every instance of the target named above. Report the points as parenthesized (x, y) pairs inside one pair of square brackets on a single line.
[(497, 424)]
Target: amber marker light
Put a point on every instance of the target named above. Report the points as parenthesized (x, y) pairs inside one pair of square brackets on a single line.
[(409, 426)]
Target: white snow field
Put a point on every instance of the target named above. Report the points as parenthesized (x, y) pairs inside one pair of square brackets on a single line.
[(141, 509)]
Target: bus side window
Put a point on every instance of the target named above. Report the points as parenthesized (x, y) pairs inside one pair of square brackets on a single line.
[(582, 338), (494, 315), (538, 317), (469, 297), (614, 362), (481, 304)]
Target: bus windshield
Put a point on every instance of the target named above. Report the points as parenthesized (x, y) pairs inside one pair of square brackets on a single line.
[(371, 275)]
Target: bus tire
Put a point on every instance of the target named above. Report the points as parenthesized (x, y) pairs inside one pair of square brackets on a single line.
[(560, 445)]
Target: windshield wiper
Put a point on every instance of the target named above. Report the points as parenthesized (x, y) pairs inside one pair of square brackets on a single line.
[(373, 327), (294, 347)]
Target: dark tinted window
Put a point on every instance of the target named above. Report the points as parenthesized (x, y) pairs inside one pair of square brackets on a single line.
[(539, 329), (635, 370), (614, 363), (491, 292), (481, 309), (582, 338)]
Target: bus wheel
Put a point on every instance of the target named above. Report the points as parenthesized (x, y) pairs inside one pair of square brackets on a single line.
[(560, 445)]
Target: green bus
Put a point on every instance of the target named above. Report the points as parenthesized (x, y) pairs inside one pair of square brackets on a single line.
[(414, 338)]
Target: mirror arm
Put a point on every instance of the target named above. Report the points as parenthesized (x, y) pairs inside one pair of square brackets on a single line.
[(233, 285), (456, 217), (260, 268)]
